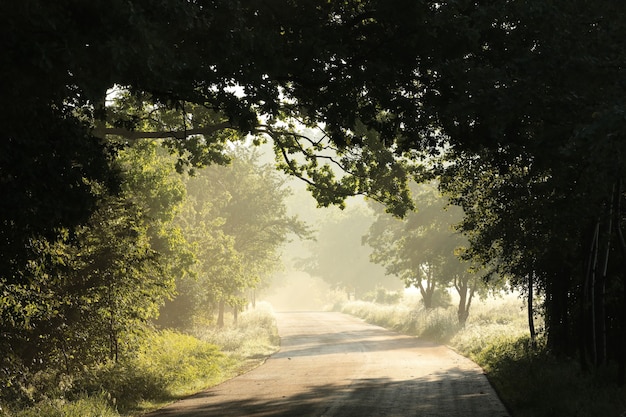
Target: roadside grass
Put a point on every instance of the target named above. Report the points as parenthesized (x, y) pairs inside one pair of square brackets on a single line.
[(530, 381), (248, 342), (167, 366)]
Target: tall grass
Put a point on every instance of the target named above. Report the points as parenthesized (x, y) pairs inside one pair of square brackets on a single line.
[(253, 338), (530, 381), (436, 324), (167, 365), (97, 405), (502, 315)]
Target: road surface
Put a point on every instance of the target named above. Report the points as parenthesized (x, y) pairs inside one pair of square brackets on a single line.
[(331, 364)]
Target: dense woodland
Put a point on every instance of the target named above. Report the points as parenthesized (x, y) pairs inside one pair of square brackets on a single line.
[(516, 108)]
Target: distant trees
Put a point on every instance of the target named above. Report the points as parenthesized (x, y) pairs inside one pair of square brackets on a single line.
[(340, 258), (422, 249), (235, 220)]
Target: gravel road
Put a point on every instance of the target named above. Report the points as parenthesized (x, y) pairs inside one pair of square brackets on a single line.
[(331, 364)]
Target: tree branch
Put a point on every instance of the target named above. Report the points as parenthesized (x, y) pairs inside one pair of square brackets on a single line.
[(162, 134)]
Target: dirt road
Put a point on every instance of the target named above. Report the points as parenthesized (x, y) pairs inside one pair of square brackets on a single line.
[(331, 364)]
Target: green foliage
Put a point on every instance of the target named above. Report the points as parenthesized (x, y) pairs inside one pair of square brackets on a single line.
[(169, 363), (521, 371), (82, 298), (423, 250), (92, 406), (163, 366), (383, 296), (525, 98), (235, 218)]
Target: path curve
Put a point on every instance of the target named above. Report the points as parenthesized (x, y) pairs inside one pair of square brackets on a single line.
[(331, 364)]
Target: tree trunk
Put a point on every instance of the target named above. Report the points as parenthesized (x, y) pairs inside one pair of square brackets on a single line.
[(462, 311), (235, 314), (466, 294), (592, 288), (428, 292), (531, 315), (621, 360), (602, 283), (585, 337), (113, 341), (557, 310), (220, 314)]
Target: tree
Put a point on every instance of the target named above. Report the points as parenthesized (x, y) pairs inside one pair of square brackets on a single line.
[(421, 249), (237, 221), (81, 300)]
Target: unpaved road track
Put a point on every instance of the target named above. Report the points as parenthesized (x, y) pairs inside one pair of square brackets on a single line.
[(332, 364)]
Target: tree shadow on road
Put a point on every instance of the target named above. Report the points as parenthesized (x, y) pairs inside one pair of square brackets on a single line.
[(349, 341), (451, 393)]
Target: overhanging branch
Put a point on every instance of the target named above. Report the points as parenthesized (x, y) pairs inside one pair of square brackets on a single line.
[(162, 134)]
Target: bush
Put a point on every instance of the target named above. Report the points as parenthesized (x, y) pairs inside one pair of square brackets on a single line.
[(166, 365), (535, 383), (383, 296), (94, 406), (436, 324)]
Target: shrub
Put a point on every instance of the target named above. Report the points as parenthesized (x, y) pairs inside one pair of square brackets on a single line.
[(167, 364), (383, 296), (94, 406), (164, 366)]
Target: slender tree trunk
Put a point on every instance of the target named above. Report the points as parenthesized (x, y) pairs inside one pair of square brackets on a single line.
[(621, 376), (113, 342), (235, 314), (466, 293), (462, 311), (531, 315), (557, 309), (429, 293), (592, 287), (586, 334), (220, 314), (603, 279)]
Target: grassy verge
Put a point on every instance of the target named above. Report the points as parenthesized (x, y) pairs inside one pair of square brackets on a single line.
[(167, 366), (528, 379)]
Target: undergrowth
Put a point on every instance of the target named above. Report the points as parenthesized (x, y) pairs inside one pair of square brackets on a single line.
[(167, 365)]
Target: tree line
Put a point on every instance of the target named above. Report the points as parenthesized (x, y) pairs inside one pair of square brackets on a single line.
[(515, 106), (167, 250)]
